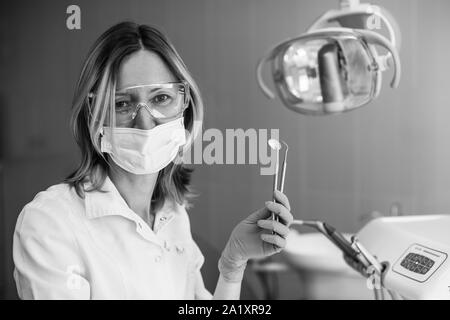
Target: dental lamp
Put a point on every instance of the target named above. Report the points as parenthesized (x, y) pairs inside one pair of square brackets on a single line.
[(332, 70)]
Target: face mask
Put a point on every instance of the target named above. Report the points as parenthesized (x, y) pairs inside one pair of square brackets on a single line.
[(144, 151), (330, 71)]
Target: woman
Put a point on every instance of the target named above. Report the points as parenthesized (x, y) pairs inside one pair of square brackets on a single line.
[(117, 228)]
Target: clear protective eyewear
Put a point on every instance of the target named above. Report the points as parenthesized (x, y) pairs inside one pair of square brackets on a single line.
[(165, 101)]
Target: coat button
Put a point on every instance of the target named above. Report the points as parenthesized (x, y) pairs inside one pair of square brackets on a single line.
[(180, 249), (157, 258)]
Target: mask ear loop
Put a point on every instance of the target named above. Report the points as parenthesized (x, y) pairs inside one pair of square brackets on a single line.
[(90, 99), (110, 127)]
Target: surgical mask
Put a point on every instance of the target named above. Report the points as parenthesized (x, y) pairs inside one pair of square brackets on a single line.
[(144, 151), (330, 71)]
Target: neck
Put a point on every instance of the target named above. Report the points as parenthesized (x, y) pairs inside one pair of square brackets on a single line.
[(136, 190)]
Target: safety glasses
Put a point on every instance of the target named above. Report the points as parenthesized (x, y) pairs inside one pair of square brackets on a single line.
[(163, 101)]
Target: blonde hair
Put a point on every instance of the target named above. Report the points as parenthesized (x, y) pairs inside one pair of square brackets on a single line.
[(98, 77)]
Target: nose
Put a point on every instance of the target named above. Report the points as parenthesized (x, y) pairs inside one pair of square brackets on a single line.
[(144, 120)]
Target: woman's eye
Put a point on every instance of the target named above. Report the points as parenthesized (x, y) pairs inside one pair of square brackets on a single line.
[(123, 106), (161, 99)]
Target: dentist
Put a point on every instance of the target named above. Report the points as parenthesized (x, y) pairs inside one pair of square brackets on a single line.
[(117, 227)]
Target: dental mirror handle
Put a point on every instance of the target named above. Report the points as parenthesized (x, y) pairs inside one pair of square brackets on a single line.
[(283, 173), (275, 184)]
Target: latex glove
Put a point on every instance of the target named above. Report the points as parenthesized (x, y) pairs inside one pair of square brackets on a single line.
[(252, 238)]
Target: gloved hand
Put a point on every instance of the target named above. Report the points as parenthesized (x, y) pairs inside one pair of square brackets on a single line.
[(253, 238)]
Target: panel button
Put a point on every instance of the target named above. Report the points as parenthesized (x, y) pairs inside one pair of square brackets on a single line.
[(417, 263)]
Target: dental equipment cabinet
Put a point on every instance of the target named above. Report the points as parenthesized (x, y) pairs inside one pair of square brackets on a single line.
[(336, 70)]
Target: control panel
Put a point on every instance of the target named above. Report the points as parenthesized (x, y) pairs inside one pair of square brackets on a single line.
[(419, 262)]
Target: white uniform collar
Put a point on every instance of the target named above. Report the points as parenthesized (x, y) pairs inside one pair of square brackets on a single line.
[(109, 202)]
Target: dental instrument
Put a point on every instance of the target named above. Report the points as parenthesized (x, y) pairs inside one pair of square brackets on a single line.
[(276, 146)]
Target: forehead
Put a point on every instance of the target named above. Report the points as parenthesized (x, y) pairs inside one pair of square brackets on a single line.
[(143, 67)]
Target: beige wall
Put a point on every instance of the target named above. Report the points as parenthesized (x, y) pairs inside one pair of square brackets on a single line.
[(339, 168)]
